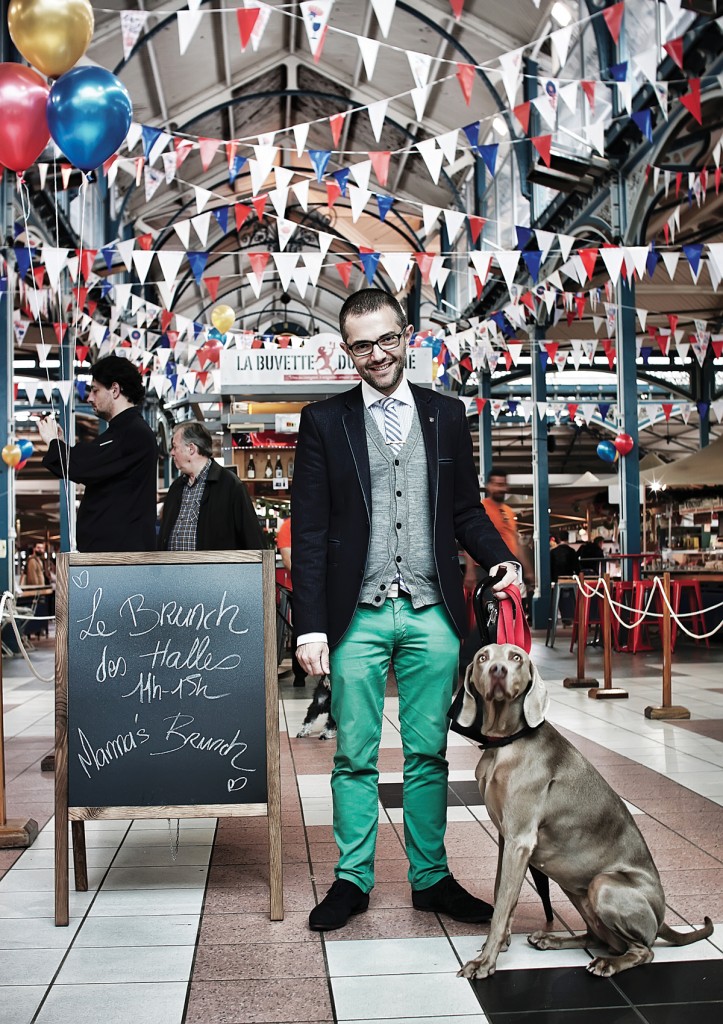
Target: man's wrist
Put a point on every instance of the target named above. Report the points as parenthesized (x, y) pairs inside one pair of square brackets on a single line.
[(311, 638)]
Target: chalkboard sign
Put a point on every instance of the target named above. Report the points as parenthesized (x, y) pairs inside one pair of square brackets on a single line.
[(166, 689)]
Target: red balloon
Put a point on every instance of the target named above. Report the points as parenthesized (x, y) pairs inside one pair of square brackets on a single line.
[(24, 131), (624, 444), (21, 464)]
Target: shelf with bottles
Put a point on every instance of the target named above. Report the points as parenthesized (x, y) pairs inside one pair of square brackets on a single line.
[(264, 466)]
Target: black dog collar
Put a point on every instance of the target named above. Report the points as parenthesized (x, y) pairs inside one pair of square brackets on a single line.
[(503, 741)]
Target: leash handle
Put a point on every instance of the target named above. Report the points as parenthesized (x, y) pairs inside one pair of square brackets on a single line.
[(512, 626)]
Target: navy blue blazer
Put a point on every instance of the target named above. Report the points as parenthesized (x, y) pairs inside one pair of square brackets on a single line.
[(331, 508)]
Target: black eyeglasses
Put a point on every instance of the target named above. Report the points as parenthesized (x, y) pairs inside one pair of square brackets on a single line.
[(388, 342)]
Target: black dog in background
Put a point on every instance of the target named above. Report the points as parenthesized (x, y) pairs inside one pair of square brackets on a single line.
[(319, 706)]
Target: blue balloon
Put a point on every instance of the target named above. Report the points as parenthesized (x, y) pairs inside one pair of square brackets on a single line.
[(89, 113), (26, 447), (607, 451)]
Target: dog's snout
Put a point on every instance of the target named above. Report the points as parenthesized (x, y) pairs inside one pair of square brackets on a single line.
[(498, 669)]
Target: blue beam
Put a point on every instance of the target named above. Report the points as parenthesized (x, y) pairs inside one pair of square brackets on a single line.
[(629, 466), (540, 605)]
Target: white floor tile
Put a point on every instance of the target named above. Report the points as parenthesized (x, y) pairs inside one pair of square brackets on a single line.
[(176, 876), (136, 855), (40, 933), (154, 930), (146, 824), (18, 1003), (521, 954), (140, 902), (417, 995), (124, 964), (28, 905), (147, 838), (477, 1018), (37, 857), (114, 1004), (390, 956), (29, 966), (42, 880)]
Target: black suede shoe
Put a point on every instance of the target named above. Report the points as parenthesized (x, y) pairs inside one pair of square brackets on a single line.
[(342, 900), (448, 897)]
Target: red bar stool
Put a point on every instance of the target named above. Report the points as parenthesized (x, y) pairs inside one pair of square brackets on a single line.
[(638, 592), (691, 589), (587, 613)]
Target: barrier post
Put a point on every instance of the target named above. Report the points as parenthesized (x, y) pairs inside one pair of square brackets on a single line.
[(15, 833), (667, 709), (607, 690), (580, 681)]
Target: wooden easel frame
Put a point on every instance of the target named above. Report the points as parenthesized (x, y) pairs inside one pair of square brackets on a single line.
[(78, 815)]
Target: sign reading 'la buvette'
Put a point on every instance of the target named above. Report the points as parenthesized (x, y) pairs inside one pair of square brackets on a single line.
[(321, 361)]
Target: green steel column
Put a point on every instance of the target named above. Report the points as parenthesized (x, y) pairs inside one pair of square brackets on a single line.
[(484, 390), (629, 465), (540, 605), (7, 474)]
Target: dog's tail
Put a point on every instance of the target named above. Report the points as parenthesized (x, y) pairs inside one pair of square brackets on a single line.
[(684, 938)]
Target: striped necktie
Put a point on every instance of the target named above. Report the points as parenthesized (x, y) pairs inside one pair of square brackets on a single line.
[(392, 426)]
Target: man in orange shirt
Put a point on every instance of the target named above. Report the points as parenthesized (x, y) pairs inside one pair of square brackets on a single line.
[(501, 515)]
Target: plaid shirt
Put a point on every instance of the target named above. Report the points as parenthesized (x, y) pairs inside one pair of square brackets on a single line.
[(183, 534)]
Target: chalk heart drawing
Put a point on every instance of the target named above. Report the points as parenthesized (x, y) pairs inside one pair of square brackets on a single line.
[(236, 784), (81, 580)]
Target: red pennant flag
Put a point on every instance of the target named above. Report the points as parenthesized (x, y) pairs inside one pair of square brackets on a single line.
[(81, 294), (166, 317), (580, 305), (589, 259), (284, 340), (528, 299), (614, 19), (572, 409), (465, 77), (212, 284), (107, 164), (672, 321), (588, 87), (611, 356), (344, 269), (145, 241), (522, 113), (475, 226), (172, 338), (257, 343), (258, 261), (477, 285), (663, 341), (717, 179), (336, 123), (92, 306), (183, 147), (666, 233), (466, 363), (231, 148), (208, 149), (333, 191), (551, 348), (86, 258), (380, 163), (667, 409), (717, 347), (259, 204), (60, 330), (569, 316), (480, 403), (240, 212), (674, 49), (543, 144), (81, 352), (246, 18), (424, 261), (691, 100), (39, 275), (507, 356), (704, 179), (457, 6)]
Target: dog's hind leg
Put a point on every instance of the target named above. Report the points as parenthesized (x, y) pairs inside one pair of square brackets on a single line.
[(548, 940), (624, 907)]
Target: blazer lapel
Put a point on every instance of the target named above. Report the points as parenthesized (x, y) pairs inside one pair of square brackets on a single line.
[(353, 420), (428, 422)]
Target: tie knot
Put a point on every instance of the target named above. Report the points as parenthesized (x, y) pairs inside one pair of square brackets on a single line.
[(388, 403)]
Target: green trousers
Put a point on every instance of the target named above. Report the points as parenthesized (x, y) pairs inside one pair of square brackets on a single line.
[(423, 648)]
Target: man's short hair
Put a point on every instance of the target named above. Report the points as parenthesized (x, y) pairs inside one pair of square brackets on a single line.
[(194, 432), (370, 300), (117, 370), (495, 472)]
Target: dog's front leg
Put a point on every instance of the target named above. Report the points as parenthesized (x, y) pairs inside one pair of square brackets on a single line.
[(515, 858)]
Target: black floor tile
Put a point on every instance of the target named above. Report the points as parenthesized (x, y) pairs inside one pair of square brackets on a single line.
[(468, 792), (553, 988), (693, 981), (675, 1013), (606, 1015), (391, 794)]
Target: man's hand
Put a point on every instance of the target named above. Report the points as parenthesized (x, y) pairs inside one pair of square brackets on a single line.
[(510, 576), (49, 429), (314, 658)]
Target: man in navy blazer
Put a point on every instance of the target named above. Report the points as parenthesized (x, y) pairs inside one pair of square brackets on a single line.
[(385, 487)]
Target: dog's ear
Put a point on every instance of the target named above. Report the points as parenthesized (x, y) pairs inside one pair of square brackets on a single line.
[(465, 714), (537, 701)]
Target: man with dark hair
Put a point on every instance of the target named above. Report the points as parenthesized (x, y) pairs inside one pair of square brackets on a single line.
[(119, 468), (207, 508), (385, 486)]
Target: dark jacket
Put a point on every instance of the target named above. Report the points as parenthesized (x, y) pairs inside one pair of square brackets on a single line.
[(563, 561), (226, 520), (331, 508), (120, 472)]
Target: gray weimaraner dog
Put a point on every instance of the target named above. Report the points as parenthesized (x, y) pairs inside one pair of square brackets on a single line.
[(555, 811)]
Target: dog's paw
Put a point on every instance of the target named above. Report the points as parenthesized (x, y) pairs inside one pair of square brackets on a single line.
[(543, 940), (602, 967), (305, 730), (476, 969), (328, 734)]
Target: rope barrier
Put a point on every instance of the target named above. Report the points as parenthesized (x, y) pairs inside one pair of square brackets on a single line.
[(8, 602)]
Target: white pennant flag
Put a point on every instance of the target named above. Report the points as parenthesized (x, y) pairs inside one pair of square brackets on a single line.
[(429, 217), (360, 173), (396, 265), (432, 157), (358, 198), (313, 262), (301, 132), (142, 260), (188, 22), (151, 180), (134, 135), (132, 24), (369, 48), (448, 144), (183, 230), (377, 113), (316, 18), (261, 21), (454, 221), (325, 240), (167, 290), (636, 256), (642, 315), (420, 65), (670, 259), (54, 260), (285, 266), (285, 230), (561, 43), (255, 283), (384, 10), (715, 253), (647, 62), (200, 225), (279, 198), (547, 112), (170, 261), (282, 177), (300, 278), (419, 99), (202, 197), (125, 250), (544, 241), (510, 66), (301, 191), (595, 134), (481, 262), (566, 243), (568, 94), (508, 261), (170, 163)]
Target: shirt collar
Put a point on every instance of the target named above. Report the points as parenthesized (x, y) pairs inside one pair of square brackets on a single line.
[(403, 393), (201, 476)]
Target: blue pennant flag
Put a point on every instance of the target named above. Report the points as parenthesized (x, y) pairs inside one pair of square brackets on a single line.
[(646, 352), (164, 342), (342, 177), (197, 261), (18, 228), (81, 387), (150, 137), (221, 215), (693, 252), (619, 72), (644, 121), (108, 253), (512, 406), (369, 262), (532, 260), (544, 358), (472, 133), (320, 159), (22, 256), (106, 287), (385, 204), (235, 168), (197, 329), (523, 236), (652, 260), (489, 155), (702, 409), (604, 408), (173, 377)]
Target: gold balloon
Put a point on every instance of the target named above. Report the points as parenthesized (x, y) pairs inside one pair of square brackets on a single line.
[(51, 34), (222, 318), (12, 455)]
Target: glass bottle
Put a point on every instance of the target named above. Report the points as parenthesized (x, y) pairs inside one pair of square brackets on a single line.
[(278, 468), (290, 468), (251, 468), (269, 470)]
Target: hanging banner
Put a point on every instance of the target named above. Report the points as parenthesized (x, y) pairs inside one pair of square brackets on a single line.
[(321, 361)]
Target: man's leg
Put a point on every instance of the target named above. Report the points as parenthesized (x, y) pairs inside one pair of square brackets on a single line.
[(359, 666)]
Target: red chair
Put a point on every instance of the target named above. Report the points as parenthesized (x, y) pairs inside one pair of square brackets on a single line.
[(635, 594), (691, 589)]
